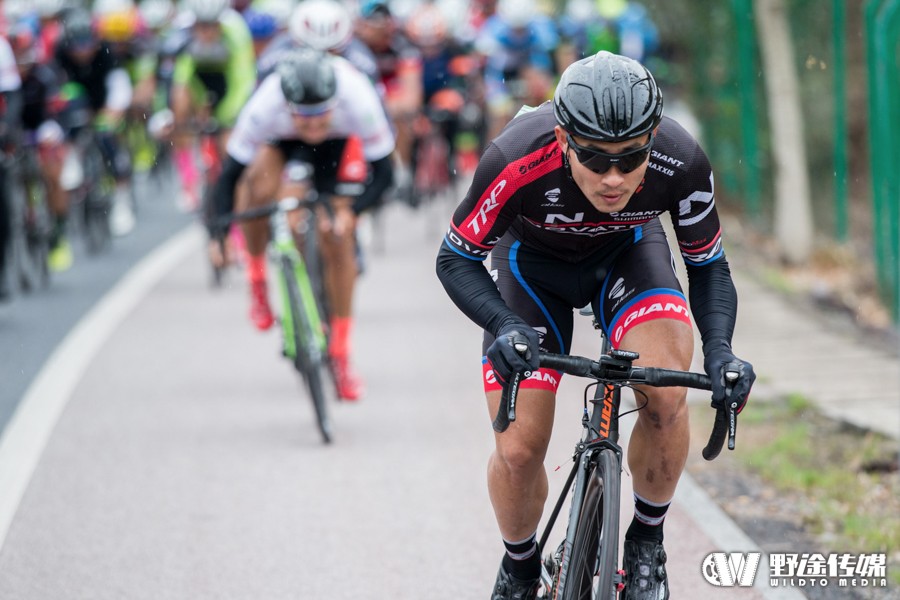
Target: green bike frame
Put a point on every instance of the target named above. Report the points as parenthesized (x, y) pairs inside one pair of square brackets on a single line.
[(284, 246)]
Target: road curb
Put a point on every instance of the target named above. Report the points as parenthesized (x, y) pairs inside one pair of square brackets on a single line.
[(726, 534)]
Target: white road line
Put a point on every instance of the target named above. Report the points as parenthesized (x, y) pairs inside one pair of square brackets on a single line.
[(30, 427)]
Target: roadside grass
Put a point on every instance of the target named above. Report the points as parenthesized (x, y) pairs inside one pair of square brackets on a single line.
[(841, 481)]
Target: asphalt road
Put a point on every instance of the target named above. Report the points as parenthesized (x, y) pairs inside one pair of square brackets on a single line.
[(170, 451), (32, 325)]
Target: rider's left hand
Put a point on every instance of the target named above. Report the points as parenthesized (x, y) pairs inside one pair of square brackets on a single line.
[(715, 363)]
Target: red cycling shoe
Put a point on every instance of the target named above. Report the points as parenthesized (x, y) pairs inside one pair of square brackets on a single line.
[(260, 311), (349, 384)]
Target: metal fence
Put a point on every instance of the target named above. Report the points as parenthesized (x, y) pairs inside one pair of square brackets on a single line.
[(847, 55), (882, 18)]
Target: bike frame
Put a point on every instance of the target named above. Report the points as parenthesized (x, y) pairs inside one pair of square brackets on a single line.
[(29, 218), (283, 245), (304, 333), (598, 449), (600, 431)]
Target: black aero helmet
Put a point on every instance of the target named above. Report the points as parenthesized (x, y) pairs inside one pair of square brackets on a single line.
[(307, 76), (607, 97)]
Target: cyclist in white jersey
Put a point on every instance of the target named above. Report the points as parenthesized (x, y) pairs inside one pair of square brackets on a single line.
[(315, 108)]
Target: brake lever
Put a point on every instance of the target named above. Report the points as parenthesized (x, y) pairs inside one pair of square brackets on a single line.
[(725, 425), (732, 373), (506, 412)]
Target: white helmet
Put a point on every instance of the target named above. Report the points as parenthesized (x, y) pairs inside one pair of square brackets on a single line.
[(517, 13), (207, 11), (156, 13), (322, 25), (48, 8), (16, 9)]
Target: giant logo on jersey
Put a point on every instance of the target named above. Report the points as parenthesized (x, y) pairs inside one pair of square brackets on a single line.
[(524, 168), (542, 379), (647, 308)]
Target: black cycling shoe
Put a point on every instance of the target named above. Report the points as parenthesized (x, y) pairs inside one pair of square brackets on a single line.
[(644, 562), (510, 588)]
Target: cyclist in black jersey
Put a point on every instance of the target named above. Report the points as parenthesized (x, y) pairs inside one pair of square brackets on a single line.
[(87, 62), (567, 201)]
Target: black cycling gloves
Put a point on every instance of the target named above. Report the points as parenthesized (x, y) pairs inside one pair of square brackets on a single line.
[(716, 363), (504, 357)]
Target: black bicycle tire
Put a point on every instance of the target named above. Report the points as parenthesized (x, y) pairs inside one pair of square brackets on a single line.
[(38, 237), (596, 544), (311, 368), (315, 269), (24, 241), (97, 204)]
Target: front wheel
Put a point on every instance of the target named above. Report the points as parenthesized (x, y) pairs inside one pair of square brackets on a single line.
[(97, 201), (30, 234), (303, 346), (593, 563)]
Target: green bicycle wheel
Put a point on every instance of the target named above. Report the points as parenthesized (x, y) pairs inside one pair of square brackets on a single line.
[(593, 563), (304, 347)]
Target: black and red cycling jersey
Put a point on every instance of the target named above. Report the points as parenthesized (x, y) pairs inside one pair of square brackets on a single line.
[(524, 202), (522, 186)]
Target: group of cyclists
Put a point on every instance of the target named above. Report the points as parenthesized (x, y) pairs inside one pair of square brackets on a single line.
[(217, 67), (564, 199)]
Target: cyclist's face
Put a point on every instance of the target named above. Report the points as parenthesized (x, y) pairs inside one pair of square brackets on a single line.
[(609, 191), (313, 129), (377, 31), (207, 33), (84, 53)]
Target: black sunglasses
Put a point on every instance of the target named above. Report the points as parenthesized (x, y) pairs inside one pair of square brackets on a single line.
[(600, 162)]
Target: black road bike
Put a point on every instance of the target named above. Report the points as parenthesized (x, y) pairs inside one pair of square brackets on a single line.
[(584, 566), (93, 197), (30, 220)]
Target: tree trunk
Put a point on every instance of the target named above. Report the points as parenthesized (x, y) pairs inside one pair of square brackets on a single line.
[(793, 209)]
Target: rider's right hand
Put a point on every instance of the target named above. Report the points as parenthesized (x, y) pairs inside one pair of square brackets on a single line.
[(504, 357)]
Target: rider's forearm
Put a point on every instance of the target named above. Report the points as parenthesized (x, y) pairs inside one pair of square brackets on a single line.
[(221, 201), (713, 303), (382, 177), (473, 291)]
